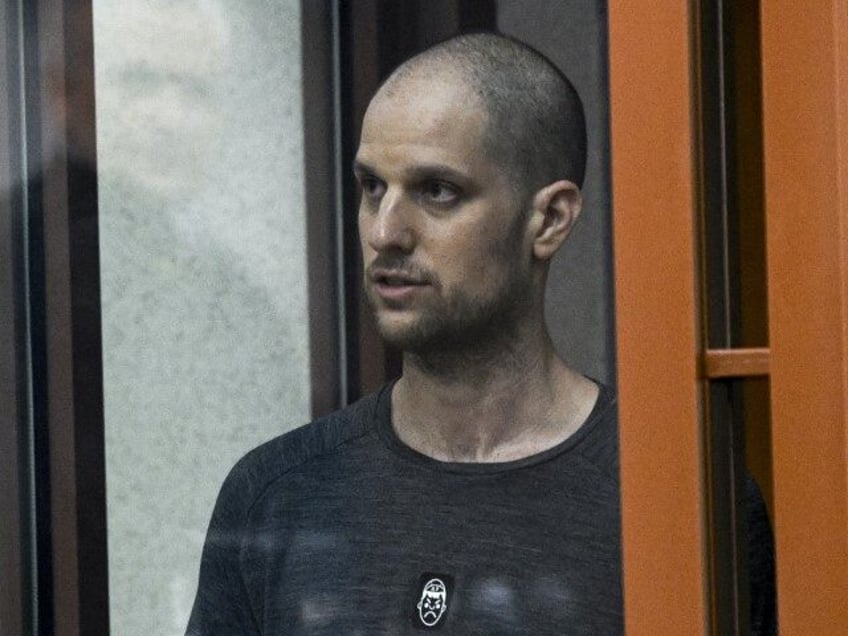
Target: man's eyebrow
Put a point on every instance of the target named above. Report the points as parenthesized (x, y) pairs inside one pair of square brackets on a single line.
[(360, 167), (417, 173), (435, 171)]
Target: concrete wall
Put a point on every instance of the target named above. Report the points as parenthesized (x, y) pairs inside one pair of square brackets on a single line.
[(204, 293), (580, 312)]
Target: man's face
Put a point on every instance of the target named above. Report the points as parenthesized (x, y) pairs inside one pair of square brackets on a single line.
[(443, 233)]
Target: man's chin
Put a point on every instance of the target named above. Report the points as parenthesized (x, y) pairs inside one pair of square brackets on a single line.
[(408, 335), (404, 340)]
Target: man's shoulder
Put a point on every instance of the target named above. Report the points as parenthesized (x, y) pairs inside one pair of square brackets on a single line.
[(292, 450), (597, 439)]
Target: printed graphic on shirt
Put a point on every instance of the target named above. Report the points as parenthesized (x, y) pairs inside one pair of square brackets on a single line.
[(433, 600)]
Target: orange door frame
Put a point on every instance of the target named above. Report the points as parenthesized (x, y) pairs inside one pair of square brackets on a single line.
[(805, 134), (655, 185), (658, 335)]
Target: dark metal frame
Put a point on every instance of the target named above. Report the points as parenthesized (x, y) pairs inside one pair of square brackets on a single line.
[(16, 532), (55, 371), (321, 124)]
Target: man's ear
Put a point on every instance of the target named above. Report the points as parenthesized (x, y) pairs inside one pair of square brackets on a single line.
[(555, 210)]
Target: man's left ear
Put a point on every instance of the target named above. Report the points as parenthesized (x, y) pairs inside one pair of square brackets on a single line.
[(555, 210)]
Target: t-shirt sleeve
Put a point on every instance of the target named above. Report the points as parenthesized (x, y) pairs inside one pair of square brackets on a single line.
[(222, 605), (761, 559)]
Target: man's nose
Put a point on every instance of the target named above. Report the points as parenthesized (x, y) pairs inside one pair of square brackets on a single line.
[(391, 226)]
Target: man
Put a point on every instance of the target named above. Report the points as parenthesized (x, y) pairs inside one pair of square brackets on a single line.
[(478, 493)]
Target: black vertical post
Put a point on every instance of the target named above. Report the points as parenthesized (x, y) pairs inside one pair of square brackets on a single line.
[(16, 520), (63, 310)]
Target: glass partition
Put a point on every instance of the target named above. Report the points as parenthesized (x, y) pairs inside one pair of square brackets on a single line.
[(204, 272)]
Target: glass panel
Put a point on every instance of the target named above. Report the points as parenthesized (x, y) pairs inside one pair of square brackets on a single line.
[(204, 281), (734, 205), (740, 502), (738, 437)]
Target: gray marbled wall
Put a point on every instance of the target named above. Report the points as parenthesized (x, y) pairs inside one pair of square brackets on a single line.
[(205, 335)]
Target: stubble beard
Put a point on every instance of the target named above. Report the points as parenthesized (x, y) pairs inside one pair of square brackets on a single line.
[(462, 324)]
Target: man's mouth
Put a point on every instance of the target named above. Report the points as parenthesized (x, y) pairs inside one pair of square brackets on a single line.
[(397, 280), (394, 285)]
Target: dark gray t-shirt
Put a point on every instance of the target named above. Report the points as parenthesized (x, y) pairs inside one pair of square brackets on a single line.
[(339, 528)]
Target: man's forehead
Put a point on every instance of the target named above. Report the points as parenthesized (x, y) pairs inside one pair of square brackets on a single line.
[(421, 77), (436, 115), (427, 126), (425, 93)]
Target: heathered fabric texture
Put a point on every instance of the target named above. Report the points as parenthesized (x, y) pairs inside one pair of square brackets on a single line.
[(337, 527)]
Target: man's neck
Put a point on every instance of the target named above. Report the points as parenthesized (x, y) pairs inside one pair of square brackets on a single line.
[(490, 407)]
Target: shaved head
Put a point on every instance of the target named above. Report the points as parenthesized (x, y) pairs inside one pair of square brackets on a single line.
[(535, 126)]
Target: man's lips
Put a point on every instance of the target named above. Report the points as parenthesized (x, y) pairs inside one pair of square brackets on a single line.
[(396, 284)]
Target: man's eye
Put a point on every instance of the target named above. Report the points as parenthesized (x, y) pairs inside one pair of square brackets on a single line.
[(371, 187), (440, 192)]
